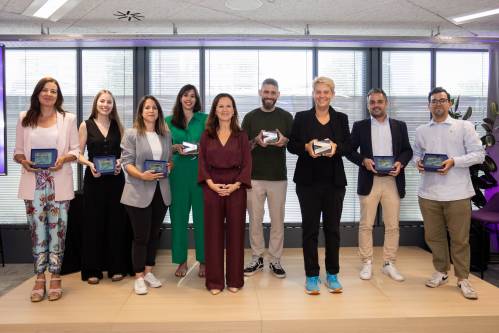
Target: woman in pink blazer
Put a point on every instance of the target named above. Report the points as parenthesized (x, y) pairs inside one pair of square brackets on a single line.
[(47, 192)]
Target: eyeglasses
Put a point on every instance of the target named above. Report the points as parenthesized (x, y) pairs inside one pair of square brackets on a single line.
[(439, 101)]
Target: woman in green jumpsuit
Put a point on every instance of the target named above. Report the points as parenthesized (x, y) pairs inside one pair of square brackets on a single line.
[(186, 125)]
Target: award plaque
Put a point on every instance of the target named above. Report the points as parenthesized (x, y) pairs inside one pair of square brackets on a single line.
[(43, 158), (190, 148), (158, 166), (105, 164), (270, 137), (322, 147), (383, 164), (433, 162)]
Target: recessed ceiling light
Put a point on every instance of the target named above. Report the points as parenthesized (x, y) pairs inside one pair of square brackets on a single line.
[(243, 4), (470, 17), (50, 9)]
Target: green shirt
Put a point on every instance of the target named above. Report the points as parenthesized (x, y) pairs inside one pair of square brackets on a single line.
[(191, 134), (269, 163)]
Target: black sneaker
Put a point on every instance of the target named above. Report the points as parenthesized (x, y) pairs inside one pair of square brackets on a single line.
[(277, 270), (254, 266)]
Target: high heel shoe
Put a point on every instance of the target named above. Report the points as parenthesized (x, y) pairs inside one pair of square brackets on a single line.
[(233, 289), (54, 293), (215, 291), (38, 295)]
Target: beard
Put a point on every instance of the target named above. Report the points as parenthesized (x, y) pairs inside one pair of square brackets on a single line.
[(268, 103), (377, 113), (438, 112)]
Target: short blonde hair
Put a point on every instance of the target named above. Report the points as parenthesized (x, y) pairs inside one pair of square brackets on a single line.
[(324, 80)]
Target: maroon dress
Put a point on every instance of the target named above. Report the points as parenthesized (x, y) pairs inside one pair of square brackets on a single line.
[(224, 165)]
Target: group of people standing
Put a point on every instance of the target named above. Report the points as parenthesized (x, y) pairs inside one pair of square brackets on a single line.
[(232, 169)]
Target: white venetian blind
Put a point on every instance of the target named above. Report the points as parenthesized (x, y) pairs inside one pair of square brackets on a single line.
[(24, 67), (348, 69), (406, 79)]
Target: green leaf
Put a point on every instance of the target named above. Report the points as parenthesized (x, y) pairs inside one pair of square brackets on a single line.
[(468, 113)]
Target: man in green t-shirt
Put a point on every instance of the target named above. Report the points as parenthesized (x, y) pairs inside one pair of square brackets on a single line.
[(268, 128)]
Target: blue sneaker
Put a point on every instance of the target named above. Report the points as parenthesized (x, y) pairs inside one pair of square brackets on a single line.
[(312, 285), (332, 284)]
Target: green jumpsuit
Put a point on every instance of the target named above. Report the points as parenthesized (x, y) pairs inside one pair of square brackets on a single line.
[(186, 191)]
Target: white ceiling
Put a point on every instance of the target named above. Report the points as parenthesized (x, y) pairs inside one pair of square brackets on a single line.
[(355, 18)]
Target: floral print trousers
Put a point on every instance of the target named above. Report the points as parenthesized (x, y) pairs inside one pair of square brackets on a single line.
[(47, 221)]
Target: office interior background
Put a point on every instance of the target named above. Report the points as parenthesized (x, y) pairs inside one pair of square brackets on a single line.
[(154, 47)]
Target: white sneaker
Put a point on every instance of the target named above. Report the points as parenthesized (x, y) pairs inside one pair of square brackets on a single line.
[(152, 280), (467, 289), (140, 286), (392, 271), (367, 270), (437, 279)]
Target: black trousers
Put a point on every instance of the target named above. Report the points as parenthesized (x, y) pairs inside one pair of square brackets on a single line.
[(106, 233), (146, 224), (315, 200)]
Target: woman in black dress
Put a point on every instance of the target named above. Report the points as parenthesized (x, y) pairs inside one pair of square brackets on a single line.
[(106, 236)]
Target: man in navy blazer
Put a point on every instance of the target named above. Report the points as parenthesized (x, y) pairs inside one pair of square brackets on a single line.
[(380, 136)]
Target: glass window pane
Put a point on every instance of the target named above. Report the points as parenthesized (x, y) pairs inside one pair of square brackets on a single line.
[(23, 70), (111, 70), (240, 73), (348, 69), (470, 82), (170, 70), (406, 79)]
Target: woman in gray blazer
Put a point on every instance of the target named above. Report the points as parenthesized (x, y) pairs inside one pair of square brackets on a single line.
[(146, 194)]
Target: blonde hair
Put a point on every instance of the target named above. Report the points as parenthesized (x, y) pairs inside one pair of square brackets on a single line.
[(324, 80)]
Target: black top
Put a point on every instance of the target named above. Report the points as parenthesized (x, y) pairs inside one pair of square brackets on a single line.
[(322, 171), (361, 138), (303, 131), (269, 163), (98, 145)]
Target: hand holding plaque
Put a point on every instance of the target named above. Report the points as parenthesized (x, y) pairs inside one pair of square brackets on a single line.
[(43, 158), (105, 165), (189, 148), (434, 162), (156, 166), (270, 137), (383, 164), (322, 147)]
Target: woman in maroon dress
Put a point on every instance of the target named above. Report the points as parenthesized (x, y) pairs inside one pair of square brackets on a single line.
[(225, 173)]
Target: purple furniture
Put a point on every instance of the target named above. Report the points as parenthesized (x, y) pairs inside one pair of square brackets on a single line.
[(487, 216)]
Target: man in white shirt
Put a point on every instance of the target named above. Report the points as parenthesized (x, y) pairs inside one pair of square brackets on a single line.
[(444, 195)]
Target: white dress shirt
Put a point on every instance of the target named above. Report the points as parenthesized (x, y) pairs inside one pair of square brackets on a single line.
[(459, 141), (381, 137)]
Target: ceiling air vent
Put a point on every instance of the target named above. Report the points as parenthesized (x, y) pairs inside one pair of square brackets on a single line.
[(128, 16)]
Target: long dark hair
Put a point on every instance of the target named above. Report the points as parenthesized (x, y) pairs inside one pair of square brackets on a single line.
[(178, 119), (31, 118), (212, 123), (159, 127), (114, 111)]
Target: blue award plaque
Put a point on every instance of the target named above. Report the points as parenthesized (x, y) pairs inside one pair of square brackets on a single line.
[(433, 162), (43, 158), (158, 166), (383, 164), (105, 164)]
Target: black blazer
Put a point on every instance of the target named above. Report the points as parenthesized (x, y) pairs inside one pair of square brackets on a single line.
[(301, 134), (402, 152)]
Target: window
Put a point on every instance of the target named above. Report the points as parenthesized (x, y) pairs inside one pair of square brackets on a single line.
[(348, 69), (406, 79), (470, 82), (111, 70), (241, 72), (170, 70), (24, 68)]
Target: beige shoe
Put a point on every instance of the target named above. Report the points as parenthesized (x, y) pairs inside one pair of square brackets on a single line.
[(54, 293), (37, 295)]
